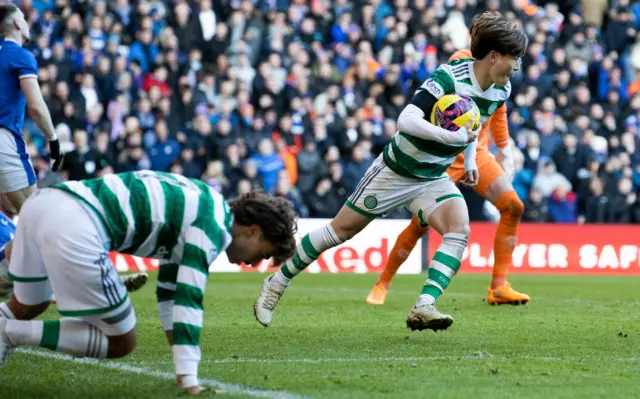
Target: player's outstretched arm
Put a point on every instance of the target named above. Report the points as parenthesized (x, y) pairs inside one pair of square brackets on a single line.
[(39, 112), (188, 314), (166, 294), (37, 108)]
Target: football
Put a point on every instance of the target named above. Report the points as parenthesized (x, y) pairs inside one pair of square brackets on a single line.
[(451, 112)]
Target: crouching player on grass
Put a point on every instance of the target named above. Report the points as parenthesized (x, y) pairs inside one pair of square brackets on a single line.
[(132, 282), (180, 221)]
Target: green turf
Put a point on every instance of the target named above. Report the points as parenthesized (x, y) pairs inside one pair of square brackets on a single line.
[(578, 338)]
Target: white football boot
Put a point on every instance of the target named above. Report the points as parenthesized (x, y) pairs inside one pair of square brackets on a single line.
[(427, 317), (266, 303)]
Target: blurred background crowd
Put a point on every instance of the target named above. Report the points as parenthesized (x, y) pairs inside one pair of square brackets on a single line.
[(297, 97)]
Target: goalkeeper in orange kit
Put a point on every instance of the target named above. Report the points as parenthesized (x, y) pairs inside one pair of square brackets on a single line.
[(495, 185)]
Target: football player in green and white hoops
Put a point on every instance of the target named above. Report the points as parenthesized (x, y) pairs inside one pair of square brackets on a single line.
[(411, 172), (62, 244)]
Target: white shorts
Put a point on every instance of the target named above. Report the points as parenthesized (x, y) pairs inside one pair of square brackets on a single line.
[(16, 171), (61, 247), (382, 191)]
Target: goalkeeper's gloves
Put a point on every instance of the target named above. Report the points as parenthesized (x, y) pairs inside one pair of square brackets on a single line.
[(55, 153)]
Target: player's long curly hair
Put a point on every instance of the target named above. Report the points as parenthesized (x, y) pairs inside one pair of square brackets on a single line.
[(274, 215), (493, 31)]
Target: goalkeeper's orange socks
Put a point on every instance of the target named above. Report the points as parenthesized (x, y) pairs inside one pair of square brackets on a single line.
[(405, 243), (511, 209), (500, 291)]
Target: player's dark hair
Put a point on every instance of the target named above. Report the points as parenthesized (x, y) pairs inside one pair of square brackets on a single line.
[(491, 31), (6, 10), (274, 215)]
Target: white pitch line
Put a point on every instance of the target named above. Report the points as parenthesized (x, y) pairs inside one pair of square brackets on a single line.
[(124, 367)]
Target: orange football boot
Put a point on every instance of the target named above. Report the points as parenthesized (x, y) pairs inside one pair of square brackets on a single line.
[(378, 294), (505, 295)]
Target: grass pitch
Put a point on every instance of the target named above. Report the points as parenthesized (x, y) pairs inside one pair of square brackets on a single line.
[(578, 338)]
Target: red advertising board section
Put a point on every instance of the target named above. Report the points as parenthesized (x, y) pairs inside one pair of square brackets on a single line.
[(128, 263), (557, 249), (541, 249)]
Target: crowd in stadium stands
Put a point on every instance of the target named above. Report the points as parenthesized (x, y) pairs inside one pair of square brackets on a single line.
[(297, 97)]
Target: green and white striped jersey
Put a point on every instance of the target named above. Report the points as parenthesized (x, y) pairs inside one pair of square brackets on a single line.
[(169, 217), (149, 214), (426, 159)]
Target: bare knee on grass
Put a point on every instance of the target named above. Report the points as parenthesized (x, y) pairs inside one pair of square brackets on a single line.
[(122, 345), (348, 223), (26, 312)]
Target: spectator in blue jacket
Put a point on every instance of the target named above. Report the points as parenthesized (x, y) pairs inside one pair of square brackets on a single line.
[(165, 149), (269, 165), (562, 206), (144, 51)]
